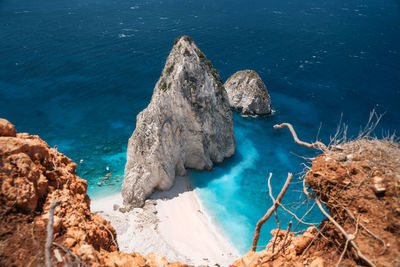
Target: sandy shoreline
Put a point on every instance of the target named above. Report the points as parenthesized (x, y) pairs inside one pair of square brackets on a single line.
[(172, 223)]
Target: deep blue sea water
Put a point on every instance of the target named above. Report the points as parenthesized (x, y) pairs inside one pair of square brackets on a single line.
[(78, 72)]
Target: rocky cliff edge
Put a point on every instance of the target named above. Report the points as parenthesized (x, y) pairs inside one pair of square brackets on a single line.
[(32, 177)]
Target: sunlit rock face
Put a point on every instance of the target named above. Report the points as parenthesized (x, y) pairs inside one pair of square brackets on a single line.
[(248, 94), (188, 124)]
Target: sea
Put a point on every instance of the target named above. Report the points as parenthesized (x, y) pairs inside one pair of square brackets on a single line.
[(78, 72)]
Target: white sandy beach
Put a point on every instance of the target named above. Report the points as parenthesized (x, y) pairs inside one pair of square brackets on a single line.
[(172, 223)]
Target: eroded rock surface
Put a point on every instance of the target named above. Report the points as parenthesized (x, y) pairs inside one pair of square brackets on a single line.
[(6, 128), (278, 253), (188, 124), (346, 178), (32, 177), (248, 94)]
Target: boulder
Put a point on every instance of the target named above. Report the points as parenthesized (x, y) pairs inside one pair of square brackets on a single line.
[(248, 94), (6, 128)]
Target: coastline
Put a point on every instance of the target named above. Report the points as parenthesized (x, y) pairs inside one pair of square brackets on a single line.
[(172, 223)]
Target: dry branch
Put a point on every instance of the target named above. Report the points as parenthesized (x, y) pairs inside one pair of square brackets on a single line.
[(349, 237), (49, 238), (367, 230), (70, 253), (316, 144), (112, 236), (283, 207), (270, 211), (282, 247), (347, 243), (277, 233)]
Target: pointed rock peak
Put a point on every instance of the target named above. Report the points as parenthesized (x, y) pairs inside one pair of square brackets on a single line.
[(188, 124), (186, 57), (184, 38)]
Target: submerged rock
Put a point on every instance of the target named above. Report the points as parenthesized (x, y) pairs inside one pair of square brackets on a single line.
[(188, 124), (248, 94)]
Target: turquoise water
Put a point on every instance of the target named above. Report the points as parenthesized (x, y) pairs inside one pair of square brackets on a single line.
[(78, 72)]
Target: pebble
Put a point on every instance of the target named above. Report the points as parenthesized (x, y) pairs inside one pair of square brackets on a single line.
[(379, 188)]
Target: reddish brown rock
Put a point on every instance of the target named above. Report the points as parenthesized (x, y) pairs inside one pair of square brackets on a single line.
[(32, 177), (359, 184), (6, 128), (275, 255), (364, 186)]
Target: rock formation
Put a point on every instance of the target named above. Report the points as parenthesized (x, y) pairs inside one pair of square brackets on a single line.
[(248, 94), (32, 177), (188, 124), (6, 128), (358, 182), (273, 256)]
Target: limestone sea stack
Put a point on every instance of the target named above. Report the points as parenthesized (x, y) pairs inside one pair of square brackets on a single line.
[(188, 124), (248, 94)]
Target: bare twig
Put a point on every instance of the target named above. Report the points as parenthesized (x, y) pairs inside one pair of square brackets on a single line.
[(295, 216), (311, 243), (371, 124), (277, 233), (70, 253), (282, 247), (276, 215), (283, 207), (366, 229), (347, 243), (349, 237), (305, 214), (316, 144), (49, 238), (319, 130), (112, 236), (270, 211), (340, 134)]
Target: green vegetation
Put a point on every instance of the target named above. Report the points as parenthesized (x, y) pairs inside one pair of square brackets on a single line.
[(177, 40), (188, 38), (170, 69), (253, 74), (201, 55), (213, 71), (163, 86)]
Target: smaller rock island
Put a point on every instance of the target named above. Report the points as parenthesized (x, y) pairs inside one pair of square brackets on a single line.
[(248, 94)]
